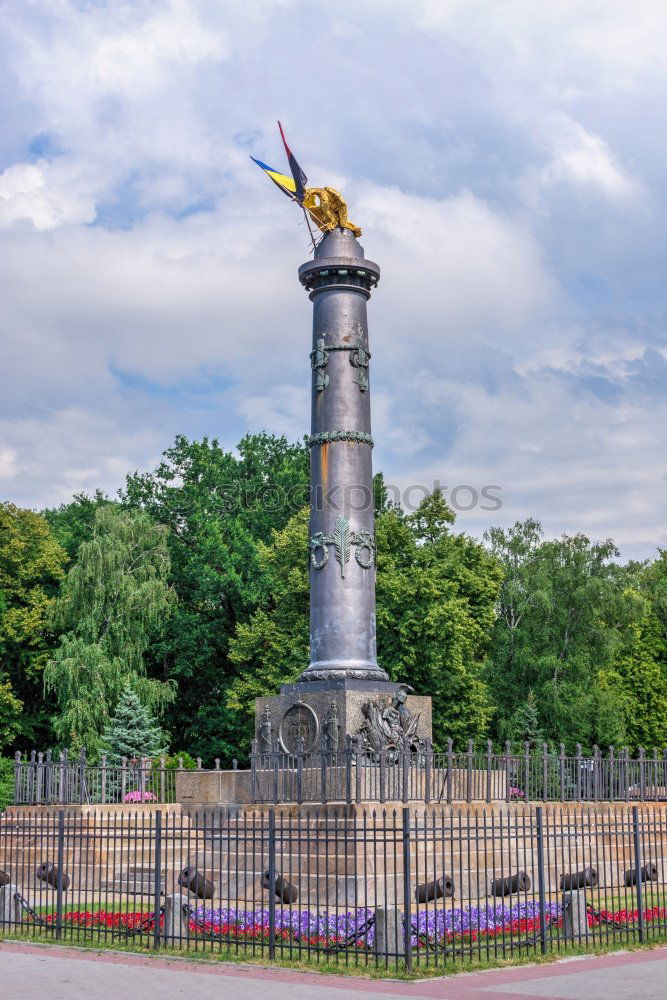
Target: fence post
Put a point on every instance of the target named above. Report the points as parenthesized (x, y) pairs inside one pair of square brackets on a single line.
[(17, 777), (578, 765), (62, 791), (348, 769), (253, 771), (358, 765), (163, 780), (272, 883), (59, 883), (299, 769), (506, 759), (144, 767), (638, 871), (216, 764), (82, 775), (469, 753), (489, 752), (276, 770), (48, 784), (540, 880), (31, 779), (545, 773), (655, 773), (526, 771), (40, 778), (103, 790), (611, 794), (405, 761), (642, 774), (325, 757), (407, 897), (157, 884), (596, 772), (428, 772), (123, 777), (561, 769), (383, 776), (450, 765)]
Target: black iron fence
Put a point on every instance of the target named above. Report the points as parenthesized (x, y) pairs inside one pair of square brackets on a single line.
[(399, 889), (355, 775), (41, 779)]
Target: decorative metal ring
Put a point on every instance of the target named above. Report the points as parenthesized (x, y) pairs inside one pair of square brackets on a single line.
[(318, 541), (364, 540)]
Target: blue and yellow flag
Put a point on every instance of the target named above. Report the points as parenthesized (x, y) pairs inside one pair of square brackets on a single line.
[(286, 184), (295, 186)]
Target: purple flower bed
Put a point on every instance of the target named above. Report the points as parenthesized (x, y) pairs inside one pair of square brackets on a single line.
[(315, 927)]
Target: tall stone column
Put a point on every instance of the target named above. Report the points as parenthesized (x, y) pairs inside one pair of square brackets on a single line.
[(342, 531)]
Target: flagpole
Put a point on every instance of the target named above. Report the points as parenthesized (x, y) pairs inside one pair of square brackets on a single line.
[(312, 236)]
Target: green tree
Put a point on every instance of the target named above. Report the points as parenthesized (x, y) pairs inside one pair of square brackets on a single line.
[(220, 508), (31, 567), (640, 675), (435, 601), (272, 647), (114, 601), (73, 523), (563, 612), (131, 731), (524, 725), (436, 593)]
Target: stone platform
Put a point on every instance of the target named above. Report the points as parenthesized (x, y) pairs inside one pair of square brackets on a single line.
[(329, 710)]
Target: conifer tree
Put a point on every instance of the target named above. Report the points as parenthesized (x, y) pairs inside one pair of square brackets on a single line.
[(131, 731), (524, 726)]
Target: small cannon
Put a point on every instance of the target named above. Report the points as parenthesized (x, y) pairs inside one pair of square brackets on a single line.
[(513, 883), (587, 878), (284, 890), (439, 887), (648, 873), (47, 872), (197, 883)]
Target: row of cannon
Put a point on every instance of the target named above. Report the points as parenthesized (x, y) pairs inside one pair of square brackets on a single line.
[(443, 887)]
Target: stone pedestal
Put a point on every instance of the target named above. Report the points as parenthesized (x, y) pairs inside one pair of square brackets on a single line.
[(330, 711)]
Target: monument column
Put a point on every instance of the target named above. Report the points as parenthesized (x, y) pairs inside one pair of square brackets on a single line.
[(342, 531)]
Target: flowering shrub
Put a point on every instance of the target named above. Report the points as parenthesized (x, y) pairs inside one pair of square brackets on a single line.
[(516, 793), (139, 796)]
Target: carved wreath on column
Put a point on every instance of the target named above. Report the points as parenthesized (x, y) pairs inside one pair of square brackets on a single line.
[(342, 539)]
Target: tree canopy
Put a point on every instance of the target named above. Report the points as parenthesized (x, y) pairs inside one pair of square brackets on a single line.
[(32, 564), (113, 602)]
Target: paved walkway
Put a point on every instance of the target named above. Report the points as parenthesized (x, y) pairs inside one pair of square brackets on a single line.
[(35, 973)]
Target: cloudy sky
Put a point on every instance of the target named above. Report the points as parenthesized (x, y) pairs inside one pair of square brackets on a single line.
[(505, 158)]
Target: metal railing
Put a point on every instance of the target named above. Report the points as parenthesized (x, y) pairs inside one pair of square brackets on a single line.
[(356, 775), (39, 779), (401, 889)]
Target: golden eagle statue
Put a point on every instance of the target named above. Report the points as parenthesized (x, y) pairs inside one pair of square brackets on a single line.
[(325, 205)]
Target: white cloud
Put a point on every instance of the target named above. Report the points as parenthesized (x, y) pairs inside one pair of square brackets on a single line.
[(8, 465), (503, 161), (582, 160), (44, 195)]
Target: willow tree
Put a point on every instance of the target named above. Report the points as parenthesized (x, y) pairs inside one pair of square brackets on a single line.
[(113, 603)]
